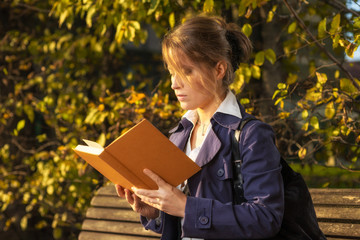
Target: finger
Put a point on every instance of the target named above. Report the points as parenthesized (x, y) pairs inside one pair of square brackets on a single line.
[(158, 180), (120, 191), (129, 197), (145, 193)]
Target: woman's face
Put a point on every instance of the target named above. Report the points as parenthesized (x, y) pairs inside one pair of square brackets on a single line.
[(190, 96)]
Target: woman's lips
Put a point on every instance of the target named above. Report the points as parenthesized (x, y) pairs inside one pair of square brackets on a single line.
[(181, 97)]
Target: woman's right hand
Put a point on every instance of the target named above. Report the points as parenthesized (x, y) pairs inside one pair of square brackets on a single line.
[(136, 204)]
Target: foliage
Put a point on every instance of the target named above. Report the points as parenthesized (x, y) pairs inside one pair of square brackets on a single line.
[(79, 69)]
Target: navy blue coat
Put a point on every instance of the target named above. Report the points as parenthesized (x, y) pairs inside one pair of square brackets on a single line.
[(209, 212)]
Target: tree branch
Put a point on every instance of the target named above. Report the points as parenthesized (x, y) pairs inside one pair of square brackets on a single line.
[(322, 48), (341, 6)]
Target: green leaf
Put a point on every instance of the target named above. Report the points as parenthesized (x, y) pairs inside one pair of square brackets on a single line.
[(347, 86), (247, 29), (330, 110), (322, 28), (208, 6), (314, 122), (153, 6), (291, 79), (357, 22), (335, 24), (292, 27), (20, 125), (270, 55), (259, 58)]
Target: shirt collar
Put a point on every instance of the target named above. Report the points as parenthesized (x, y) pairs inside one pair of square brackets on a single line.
[(228, 106)]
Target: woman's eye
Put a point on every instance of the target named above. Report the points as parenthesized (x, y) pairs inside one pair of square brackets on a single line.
[(188, 71)]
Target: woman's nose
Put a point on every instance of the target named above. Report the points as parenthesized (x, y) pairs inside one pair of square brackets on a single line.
[(175, 84)]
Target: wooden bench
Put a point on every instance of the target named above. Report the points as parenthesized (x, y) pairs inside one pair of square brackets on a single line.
[(111, 218)]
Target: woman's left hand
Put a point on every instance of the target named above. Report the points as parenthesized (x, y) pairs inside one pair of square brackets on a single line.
[(167, 198)]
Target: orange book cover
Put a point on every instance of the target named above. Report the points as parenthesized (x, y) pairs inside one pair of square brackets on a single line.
[(143, 146)]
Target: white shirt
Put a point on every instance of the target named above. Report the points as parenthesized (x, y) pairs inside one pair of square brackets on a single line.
[(228, 106)]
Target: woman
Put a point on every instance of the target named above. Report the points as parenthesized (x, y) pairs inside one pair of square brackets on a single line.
[(201, 56)]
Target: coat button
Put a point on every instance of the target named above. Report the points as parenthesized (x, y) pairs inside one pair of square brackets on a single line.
[(203, 220), (220, 172)]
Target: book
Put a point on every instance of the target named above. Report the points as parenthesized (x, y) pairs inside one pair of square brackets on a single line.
[(142, 146)]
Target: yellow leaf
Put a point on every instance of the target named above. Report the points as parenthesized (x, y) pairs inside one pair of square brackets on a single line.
[(330, 110), (292, 27), (291, 79), (270, 55), (208, 6), (247, 29), (284, 115), (102, 139), (322, 28), (255, 72), (259, 58), (172, 19), (321, 77), (304, 114), (314, 122), (335, 24), (302, 153)]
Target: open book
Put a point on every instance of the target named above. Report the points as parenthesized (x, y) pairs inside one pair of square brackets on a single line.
[(143, 146)]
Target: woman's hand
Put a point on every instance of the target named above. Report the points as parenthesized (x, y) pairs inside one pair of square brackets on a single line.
[(136, 204), (167, 198)]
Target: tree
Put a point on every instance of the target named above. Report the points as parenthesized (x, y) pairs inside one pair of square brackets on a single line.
[(78, 69)]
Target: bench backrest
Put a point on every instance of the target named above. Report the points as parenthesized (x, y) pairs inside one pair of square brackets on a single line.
[(111, 218)]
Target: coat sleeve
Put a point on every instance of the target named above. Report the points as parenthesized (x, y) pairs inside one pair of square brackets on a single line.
[(261, 215)]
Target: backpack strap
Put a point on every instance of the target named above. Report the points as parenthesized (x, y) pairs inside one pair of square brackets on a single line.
[(238, 190)]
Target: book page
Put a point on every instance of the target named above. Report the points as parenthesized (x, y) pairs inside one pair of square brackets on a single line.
[(92, 144)]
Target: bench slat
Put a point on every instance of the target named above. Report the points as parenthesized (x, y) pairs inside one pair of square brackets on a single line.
[(336, 196), (341, 229), (113, 214), (127, 228), (109, 236), (109, 201), (107, 190), (346, 213)]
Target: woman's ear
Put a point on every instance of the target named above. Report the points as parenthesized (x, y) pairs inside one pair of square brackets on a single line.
[(220, 69)]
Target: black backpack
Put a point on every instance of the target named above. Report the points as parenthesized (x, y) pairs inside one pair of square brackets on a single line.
[(299, 221)]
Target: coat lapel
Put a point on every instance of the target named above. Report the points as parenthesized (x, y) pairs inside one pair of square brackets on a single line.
[(209, 149)]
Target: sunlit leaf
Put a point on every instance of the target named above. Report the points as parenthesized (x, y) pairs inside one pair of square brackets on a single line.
[(102, 139), (314, 122), (330, 110), (259, 58), (322, 28), (20, 125), (153, 6), (335, 24), (321, 77), (292, 27), (89, 15), (208, 6), (172, 19), (302, 153), (270, 55), (247, 29), (291, 79)]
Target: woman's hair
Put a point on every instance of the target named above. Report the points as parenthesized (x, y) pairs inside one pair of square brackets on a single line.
[(205, 41)]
